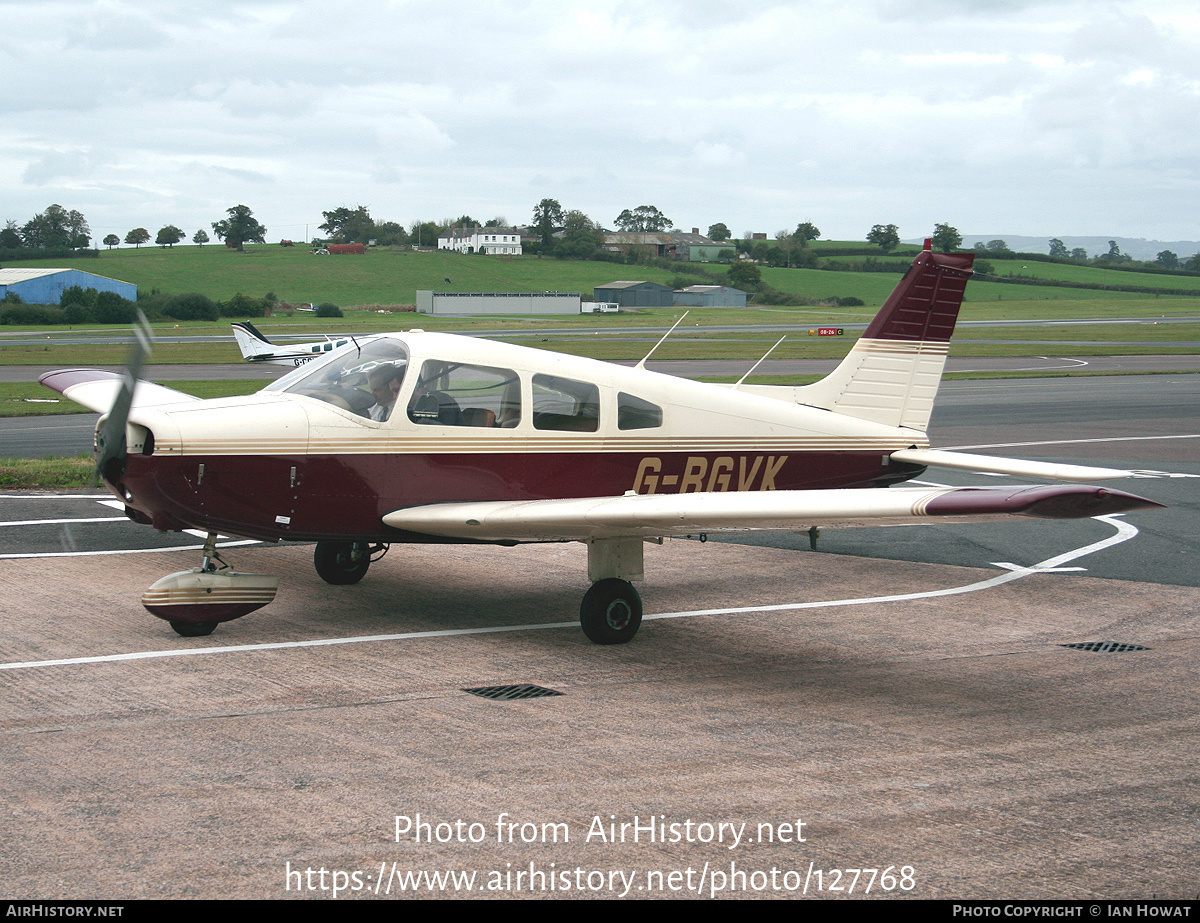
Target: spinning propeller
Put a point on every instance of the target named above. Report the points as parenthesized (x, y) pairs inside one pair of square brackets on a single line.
[(110, 438)]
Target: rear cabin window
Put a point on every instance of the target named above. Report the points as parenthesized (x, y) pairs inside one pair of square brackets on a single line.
[(455, 394), (635, 413), (565, 404)]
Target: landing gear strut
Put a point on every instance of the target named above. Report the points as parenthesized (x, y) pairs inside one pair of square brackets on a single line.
[(344, 563)]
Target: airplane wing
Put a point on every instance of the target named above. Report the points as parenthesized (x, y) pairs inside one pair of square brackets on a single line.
[(96, 389), (657, 515), (1020, 467)]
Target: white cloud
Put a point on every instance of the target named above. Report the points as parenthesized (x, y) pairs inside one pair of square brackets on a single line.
[(761, 116)]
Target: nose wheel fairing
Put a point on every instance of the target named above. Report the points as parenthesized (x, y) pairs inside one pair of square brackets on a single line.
[(196, 601)]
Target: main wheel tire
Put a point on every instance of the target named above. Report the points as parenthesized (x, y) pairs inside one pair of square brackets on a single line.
[(611, 612), (194, 629), (342, 563)]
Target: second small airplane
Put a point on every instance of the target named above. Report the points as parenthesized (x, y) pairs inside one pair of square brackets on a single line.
[(257, 348)]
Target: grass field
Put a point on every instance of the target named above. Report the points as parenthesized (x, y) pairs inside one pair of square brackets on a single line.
[(383, 276), (388, 276), (392, 276)]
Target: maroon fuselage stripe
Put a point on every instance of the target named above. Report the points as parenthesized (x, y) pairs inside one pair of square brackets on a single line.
[(346, 496)]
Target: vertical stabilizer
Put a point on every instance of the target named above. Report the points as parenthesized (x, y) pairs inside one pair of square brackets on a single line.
[(250, 341), (891, 376)]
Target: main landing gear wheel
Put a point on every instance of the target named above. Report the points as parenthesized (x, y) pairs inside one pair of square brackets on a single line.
[(611, 612), (342, 563), (194, 629)]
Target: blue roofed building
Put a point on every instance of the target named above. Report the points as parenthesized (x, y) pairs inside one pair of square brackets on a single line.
[(46, 286)]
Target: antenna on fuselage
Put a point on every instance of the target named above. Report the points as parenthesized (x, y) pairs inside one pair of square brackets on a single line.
[(760, 361), (642, 364)]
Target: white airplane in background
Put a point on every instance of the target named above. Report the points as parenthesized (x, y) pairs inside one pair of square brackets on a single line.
[(430, 437), (257, 348)]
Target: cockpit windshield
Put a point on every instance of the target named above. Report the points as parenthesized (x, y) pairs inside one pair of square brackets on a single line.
[(363, 377)]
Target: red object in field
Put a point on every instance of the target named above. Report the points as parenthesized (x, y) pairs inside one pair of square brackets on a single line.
[(346, 248), (286, 243)]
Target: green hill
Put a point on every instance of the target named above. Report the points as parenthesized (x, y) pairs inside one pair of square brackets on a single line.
[(392, 276), (384, 276)]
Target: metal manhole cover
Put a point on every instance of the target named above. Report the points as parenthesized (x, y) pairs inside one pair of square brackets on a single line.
[(524, 691), (1106, 647)]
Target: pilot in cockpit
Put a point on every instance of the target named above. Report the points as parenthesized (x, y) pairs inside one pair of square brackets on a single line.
[(384, 382)]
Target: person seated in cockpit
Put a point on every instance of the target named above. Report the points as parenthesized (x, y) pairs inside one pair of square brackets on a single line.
[(384, 383)]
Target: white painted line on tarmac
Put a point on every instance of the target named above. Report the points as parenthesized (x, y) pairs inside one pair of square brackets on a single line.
[(88, 554), (1033, 368), (1124, 532), (56, 522), (1007, 445)]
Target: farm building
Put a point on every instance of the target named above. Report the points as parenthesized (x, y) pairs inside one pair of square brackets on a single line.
[(691, 247), (636, 294), (711, 296), (45, 286), (429, 302), (694, 247), (481, 240), (654, 246)]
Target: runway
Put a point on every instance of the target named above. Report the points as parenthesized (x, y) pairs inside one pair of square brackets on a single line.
[(831, 724)]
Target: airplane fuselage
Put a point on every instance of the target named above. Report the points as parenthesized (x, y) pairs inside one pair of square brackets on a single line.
[(300, 460)]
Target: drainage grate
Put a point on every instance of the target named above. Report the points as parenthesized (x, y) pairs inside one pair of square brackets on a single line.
[(1106, 647), (525, 691)]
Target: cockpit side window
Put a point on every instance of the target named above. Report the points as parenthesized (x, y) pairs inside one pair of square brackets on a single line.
[(364, 379), (565, 404), (456, 394)]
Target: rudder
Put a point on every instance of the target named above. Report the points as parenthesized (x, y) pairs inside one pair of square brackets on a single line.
[(892, 373)]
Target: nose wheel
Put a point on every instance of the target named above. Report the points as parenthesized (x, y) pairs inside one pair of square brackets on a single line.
[(611, 612)]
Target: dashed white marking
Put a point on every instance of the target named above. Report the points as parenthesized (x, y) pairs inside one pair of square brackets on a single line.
[(1124, 532)]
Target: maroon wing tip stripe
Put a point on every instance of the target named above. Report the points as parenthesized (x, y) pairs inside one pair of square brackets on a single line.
[(1058, 501), (61, 379)]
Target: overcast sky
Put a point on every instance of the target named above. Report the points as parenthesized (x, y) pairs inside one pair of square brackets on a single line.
[(996, 116)]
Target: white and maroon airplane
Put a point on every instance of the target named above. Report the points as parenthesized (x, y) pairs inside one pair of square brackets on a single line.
[(429, 437)]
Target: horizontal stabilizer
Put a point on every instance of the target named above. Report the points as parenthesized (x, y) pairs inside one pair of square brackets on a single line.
[(96, 389), (1019, 467), (656, 515)]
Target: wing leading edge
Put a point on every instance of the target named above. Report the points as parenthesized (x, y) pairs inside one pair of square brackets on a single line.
[(96, 389), (658, 515)]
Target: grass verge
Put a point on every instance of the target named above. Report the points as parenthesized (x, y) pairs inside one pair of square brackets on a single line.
[(46, 473), (29, 399)]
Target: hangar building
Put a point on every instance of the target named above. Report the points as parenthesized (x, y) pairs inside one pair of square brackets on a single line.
[(711, 296), (429, 302), (636, 294), (45, 286)]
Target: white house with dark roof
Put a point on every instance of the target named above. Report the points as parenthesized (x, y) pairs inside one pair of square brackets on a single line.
[(505, 241)]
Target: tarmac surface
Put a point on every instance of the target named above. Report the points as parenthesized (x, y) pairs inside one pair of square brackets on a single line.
[(881, 727)]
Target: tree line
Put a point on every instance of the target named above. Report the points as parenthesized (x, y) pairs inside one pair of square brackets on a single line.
[(566, 233)]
